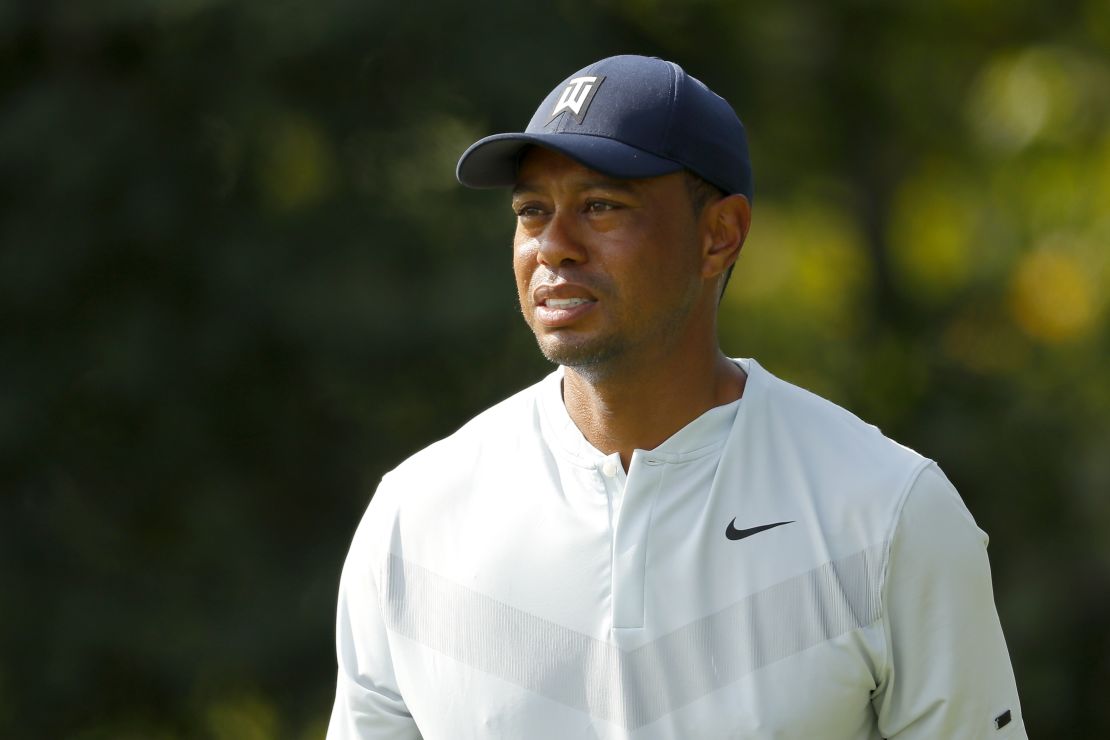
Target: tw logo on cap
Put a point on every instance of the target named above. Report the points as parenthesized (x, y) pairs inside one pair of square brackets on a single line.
[(577, 96)]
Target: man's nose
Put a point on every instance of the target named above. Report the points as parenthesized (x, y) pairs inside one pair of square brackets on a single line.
[(560, 244)]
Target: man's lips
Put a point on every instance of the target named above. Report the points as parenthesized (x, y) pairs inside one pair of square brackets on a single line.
[(562, 304), (566, 302)]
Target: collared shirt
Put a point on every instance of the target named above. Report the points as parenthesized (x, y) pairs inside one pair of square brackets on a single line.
[(776, 569)]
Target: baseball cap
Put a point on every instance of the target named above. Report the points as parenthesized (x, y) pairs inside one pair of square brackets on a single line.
[(627, 117)]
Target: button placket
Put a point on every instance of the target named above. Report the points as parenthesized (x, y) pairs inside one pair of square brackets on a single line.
[(633, 527)]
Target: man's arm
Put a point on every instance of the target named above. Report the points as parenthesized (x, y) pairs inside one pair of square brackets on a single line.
[(368, 703), (949, 673)]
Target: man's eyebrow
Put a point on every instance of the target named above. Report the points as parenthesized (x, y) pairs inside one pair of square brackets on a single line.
[(600, 183)]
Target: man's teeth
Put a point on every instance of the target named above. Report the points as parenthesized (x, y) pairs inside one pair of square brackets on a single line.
[(564, 302)]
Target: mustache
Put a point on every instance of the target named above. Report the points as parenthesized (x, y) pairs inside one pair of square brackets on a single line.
[(546, 276)]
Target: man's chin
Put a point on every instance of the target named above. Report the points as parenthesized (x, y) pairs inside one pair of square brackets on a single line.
[(587, 357)]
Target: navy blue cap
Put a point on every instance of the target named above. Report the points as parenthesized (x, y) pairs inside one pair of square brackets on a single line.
[(626, 117)]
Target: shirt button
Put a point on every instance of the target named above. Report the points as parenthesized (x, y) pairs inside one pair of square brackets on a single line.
[(609, 469)]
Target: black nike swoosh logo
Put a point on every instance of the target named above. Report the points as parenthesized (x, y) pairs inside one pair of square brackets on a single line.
[(738, 534)]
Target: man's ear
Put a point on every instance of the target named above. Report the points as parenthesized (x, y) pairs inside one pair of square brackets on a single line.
[(724, 225)]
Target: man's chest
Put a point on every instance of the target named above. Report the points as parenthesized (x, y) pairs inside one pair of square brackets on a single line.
[(661, 605)]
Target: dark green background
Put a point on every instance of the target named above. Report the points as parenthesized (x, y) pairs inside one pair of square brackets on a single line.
[(238, 282)]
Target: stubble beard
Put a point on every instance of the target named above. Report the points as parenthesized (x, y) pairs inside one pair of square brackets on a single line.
[(600, 358), (594, 359)]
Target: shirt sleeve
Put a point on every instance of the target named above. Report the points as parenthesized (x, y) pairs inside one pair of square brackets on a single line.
[(368, 703), (949, 673)]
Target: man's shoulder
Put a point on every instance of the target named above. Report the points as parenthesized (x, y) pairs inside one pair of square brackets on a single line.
[(435, 489), (851, 478), (848, 462), (496, 430), (816, 420)]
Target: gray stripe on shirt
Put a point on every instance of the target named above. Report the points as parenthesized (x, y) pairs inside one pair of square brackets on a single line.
[(635, 687)]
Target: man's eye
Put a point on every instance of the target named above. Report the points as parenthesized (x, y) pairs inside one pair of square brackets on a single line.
[(599, 206), (528, 210)]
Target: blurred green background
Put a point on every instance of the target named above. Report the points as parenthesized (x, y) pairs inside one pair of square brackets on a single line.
[(238, 282)]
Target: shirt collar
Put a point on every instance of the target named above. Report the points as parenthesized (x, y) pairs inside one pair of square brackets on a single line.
[(702, 436)]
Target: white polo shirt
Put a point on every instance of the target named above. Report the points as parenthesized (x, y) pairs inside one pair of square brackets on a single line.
[(776, 569)]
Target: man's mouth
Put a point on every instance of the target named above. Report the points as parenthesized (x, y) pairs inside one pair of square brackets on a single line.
[(554, 313), (565, 302)]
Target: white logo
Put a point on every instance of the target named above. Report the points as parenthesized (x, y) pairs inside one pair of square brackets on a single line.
[(576, 96)]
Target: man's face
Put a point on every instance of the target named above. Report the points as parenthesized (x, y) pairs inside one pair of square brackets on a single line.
[(608, 271)]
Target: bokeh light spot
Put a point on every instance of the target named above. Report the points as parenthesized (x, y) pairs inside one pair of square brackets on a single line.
[(1052, 296), (931, 227), (297, 165), (1019, 97), (246, 718), (806, 260)]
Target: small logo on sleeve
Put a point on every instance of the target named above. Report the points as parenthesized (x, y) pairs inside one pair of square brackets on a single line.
[(1002, 720), (738, 534), (577, 96)]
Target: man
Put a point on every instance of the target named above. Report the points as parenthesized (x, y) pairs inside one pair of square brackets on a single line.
[(657, 541)]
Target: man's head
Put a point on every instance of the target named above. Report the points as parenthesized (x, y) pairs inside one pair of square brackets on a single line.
[(628, 117), (632, 189)]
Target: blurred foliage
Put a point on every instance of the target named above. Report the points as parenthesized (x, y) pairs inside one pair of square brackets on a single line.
[(238, 282)]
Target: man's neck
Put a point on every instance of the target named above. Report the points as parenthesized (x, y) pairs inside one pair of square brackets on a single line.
[(642, 407)]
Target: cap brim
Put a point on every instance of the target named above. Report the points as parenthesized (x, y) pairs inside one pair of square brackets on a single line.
[(492, 162)]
